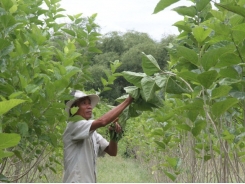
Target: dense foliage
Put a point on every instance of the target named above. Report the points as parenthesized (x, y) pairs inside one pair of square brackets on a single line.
[(187, 122), (40, 61), (199, 132)]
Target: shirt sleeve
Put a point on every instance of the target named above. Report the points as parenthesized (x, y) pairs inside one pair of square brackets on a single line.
[(103, 143), (80, 130)]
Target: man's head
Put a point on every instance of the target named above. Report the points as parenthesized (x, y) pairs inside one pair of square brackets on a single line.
[(84, 102)]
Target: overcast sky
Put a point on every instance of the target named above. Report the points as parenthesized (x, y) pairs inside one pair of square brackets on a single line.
[(124, 15)]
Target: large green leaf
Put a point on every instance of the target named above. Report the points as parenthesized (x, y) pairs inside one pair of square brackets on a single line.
[(150, 65), (186, 11), (188, 54), (233, 8), (239, 27), (230, 72), (210, 58), (133, 77), (8, 140), (228, 59), (221, 107), (4, 43), (162, 4), (4, 154), (200, 33), (220, 91), (201, 4), (183, 25), (207, 78), (160, 80), (148, 87), (199, 126), (5, 106), (133, 91), (70, 32), (188, 75), (174, 87)]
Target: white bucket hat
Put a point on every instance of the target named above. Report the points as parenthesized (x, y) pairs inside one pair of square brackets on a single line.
[(79, 94)]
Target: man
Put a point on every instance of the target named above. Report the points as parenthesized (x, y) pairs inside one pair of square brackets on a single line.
[(82, 144)]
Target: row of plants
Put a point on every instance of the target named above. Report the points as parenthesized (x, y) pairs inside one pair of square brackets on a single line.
[(41, 60), (198, 133)]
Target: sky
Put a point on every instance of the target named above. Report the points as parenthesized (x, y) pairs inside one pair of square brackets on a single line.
[(126, 15)]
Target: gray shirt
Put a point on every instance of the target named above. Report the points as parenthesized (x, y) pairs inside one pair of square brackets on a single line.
[(81, 148)]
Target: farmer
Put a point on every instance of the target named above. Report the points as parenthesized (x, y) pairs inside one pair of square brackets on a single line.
[(82, 144)]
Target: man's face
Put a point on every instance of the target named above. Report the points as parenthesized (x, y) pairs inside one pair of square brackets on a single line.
[(85, 108)]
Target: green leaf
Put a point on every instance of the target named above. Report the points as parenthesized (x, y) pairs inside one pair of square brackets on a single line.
[(201, 33), (5, 106), (197, 104), (201, 4), (74, 110), (188, 75), (148, 87), (23, 128), (199, 126), (18, 154), (221, 107), (233, 8), (160, 144), (184, 127), (70, 32), (114, 65), (228, 59), (160, 80), (211, 57), (188, 54), (133, 91), (94, 50), (239, 27), (229, 72), (31, 88), (174, 87), (133, 77), (7, 21), (4, 43), (162, 4), (53, 139), (8, 140), (6, 4), (218, 14), (220, 91), (71, 70), (150, 65), (71, 17), (4, 154), (207, 78), (183, 25), (170, 175), (186, 11)]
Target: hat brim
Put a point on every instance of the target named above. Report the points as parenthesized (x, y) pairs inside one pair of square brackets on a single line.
[(93, 98)]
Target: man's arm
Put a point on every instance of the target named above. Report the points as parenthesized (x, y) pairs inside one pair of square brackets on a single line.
[(111, 149), (111, 115)]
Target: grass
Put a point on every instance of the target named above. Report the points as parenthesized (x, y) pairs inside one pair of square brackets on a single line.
[(121, 170)]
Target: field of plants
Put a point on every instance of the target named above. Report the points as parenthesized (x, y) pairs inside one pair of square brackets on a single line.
[(187, 121)]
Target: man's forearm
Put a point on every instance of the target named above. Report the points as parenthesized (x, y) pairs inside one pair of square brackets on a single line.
[(112, 148)]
